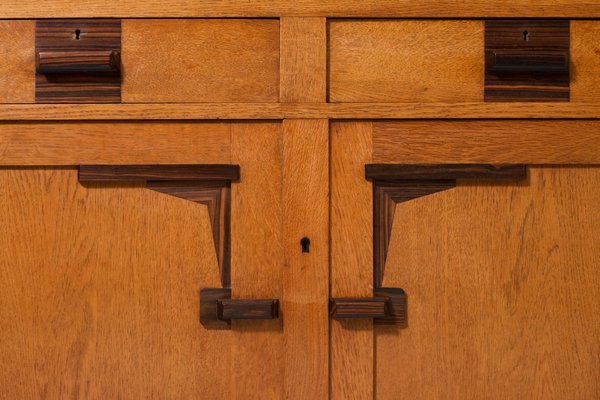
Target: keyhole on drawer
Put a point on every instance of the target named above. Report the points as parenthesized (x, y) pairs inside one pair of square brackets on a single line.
[(305, 244), (77, 34), (526, 36)]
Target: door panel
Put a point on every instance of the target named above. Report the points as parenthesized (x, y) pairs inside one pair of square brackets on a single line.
[(503, 291), (501, 277), (99, 283)]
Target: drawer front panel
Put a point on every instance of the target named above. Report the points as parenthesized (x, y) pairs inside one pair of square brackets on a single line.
[(214, 60), (171, 60), (433, 61)]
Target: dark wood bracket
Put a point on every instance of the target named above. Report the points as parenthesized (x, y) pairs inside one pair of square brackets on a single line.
[(527, 60), (209, 185), (217, 309), (393, 184), (78, 61)]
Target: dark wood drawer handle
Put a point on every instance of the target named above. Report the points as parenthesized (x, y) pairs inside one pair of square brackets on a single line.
[(88, 62), (507, 61), (218, 309), (388, 307)]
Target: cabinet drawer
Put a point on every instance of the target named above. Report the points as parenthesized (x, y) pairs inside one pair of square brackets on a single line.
[(434, 61), (166, 60)]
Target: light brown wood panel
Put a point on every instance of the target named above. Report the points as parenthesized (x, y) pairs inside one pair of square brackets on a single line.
[(73, 143), (351, 258), (99, 292), (270, 8), (200, 60), (515, 141), (17, 64), (306, 274), (585, 61), (303, 60), (502, 284), (257, 259), (271, 111), (405, 61)]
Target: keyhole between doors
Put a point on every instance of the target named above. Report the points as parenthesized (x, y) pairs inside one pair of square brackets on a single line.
[(305, 245)]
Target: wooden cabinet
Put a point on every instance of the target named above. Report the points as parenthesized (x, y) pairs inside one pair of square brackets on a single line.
[(309, 200)]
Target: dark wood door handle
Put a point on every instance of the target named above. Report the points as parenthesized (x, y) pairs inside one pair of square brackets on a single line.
[(533, 62), (218, 309), (388, 307), (88, 62)]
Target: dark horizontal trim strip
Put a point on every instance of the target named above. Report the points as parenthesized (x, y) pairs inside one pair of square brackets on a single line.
[(228, 309), (396, 172), (120, 173)]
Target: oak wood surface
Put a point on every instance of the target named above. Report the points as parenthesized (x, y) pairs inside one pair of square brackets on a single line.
[(306, 274), (303, 64), (200, 60), (257, 259), (495, 142), (99, 292), (76, 143), (270, 111), (274, 8), (405, 61), (351, 341), (502, 282), (17, 64), (585, 63)]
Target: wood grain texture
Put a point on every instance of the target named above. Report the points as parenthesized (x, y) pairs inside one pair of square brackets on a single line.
[(76, 143), (274, 111), (257, 259), (209, 317), (503, 285), (495, 142), (357, 307), (211, 60), (230, 309), (306, 274), (158, 173), (351, 341), (274, 8), (216, 196), (405, 61), (77, 37), (527, 60), (425, 172), (99, 292), (585, 63), (303, 64), (17, 64), (60, 62)]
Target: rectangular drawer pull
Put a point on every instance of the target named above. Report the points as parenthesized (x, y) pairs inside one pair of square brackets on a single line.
[(247, 309), (61, 62)]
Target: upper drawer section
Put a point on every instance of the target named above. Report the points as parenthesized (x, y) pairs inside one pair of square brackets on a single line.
[(201, 60), (434, 61), (165, 60)]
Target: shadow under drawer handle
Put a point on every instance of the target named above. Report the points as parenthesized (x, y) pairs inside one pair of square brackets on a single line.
[(508, 61), (60, 62)]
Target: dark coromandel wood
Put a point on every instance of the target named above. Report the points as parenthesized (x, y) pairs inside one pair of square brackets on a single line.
[(78, 61), (397, 183), (217, 309), (527, 60), (209, 185)]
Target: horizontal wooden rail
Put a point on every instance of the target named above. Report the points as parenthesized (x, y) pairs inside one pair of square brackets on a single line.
[(275, 111)]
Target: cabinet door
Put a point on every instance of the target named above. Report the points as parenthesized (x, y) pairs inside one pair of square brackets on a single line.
[(501, 277), (100, 283)]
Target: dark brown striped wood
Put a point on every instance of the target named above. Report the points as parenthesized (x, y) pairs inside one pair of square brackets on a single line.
[(396, 310), (78, 61), (209, 185), (396, 183), (209, 298), (527, 60), (425, 172), (60, 62), (190, 172), (357, 308), (228, 309)]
